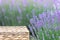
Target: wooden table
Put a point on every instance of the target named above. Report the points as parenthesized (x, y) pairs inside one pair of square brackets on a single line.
[(14, 33)]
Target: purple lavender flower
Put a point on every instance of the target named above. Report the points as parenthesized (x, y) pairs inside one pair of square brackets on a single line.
[(0, 2), (32, 21), (39, 23), (57, 10), (42, 20), (56, 3), (45, 20), (24, 2), (19, 9), (13, 2)]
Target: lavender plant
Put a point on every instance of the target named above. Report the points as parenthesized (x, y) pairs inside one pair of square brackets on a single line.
[(45, 26)]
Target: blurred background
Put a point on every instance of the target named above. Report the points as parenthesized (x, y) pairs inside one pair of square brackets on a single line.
[(15, 12), (41, 17)]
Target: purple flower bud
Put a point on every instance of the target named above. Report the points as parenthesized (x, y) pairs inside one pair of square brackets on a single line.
[(19, 9), (24, 3), (39, 24), (32, 21), (41, 16), (0, 2), (57, 3), (13, 2)]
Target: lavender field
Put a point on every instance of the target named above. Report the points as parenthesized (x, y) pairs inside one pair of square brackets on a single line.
[(42, 17)]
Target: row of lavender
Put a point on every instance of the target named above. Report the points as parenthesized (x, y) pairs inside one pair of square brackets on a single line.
[(15, 12)]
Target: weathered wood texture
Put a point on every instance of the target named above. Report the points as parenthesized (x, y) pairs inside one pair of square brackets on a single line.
[(14, 33)]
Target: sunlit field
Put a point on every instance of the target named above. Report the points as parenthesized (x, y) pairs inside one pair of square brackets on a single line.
[(42, 17)]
